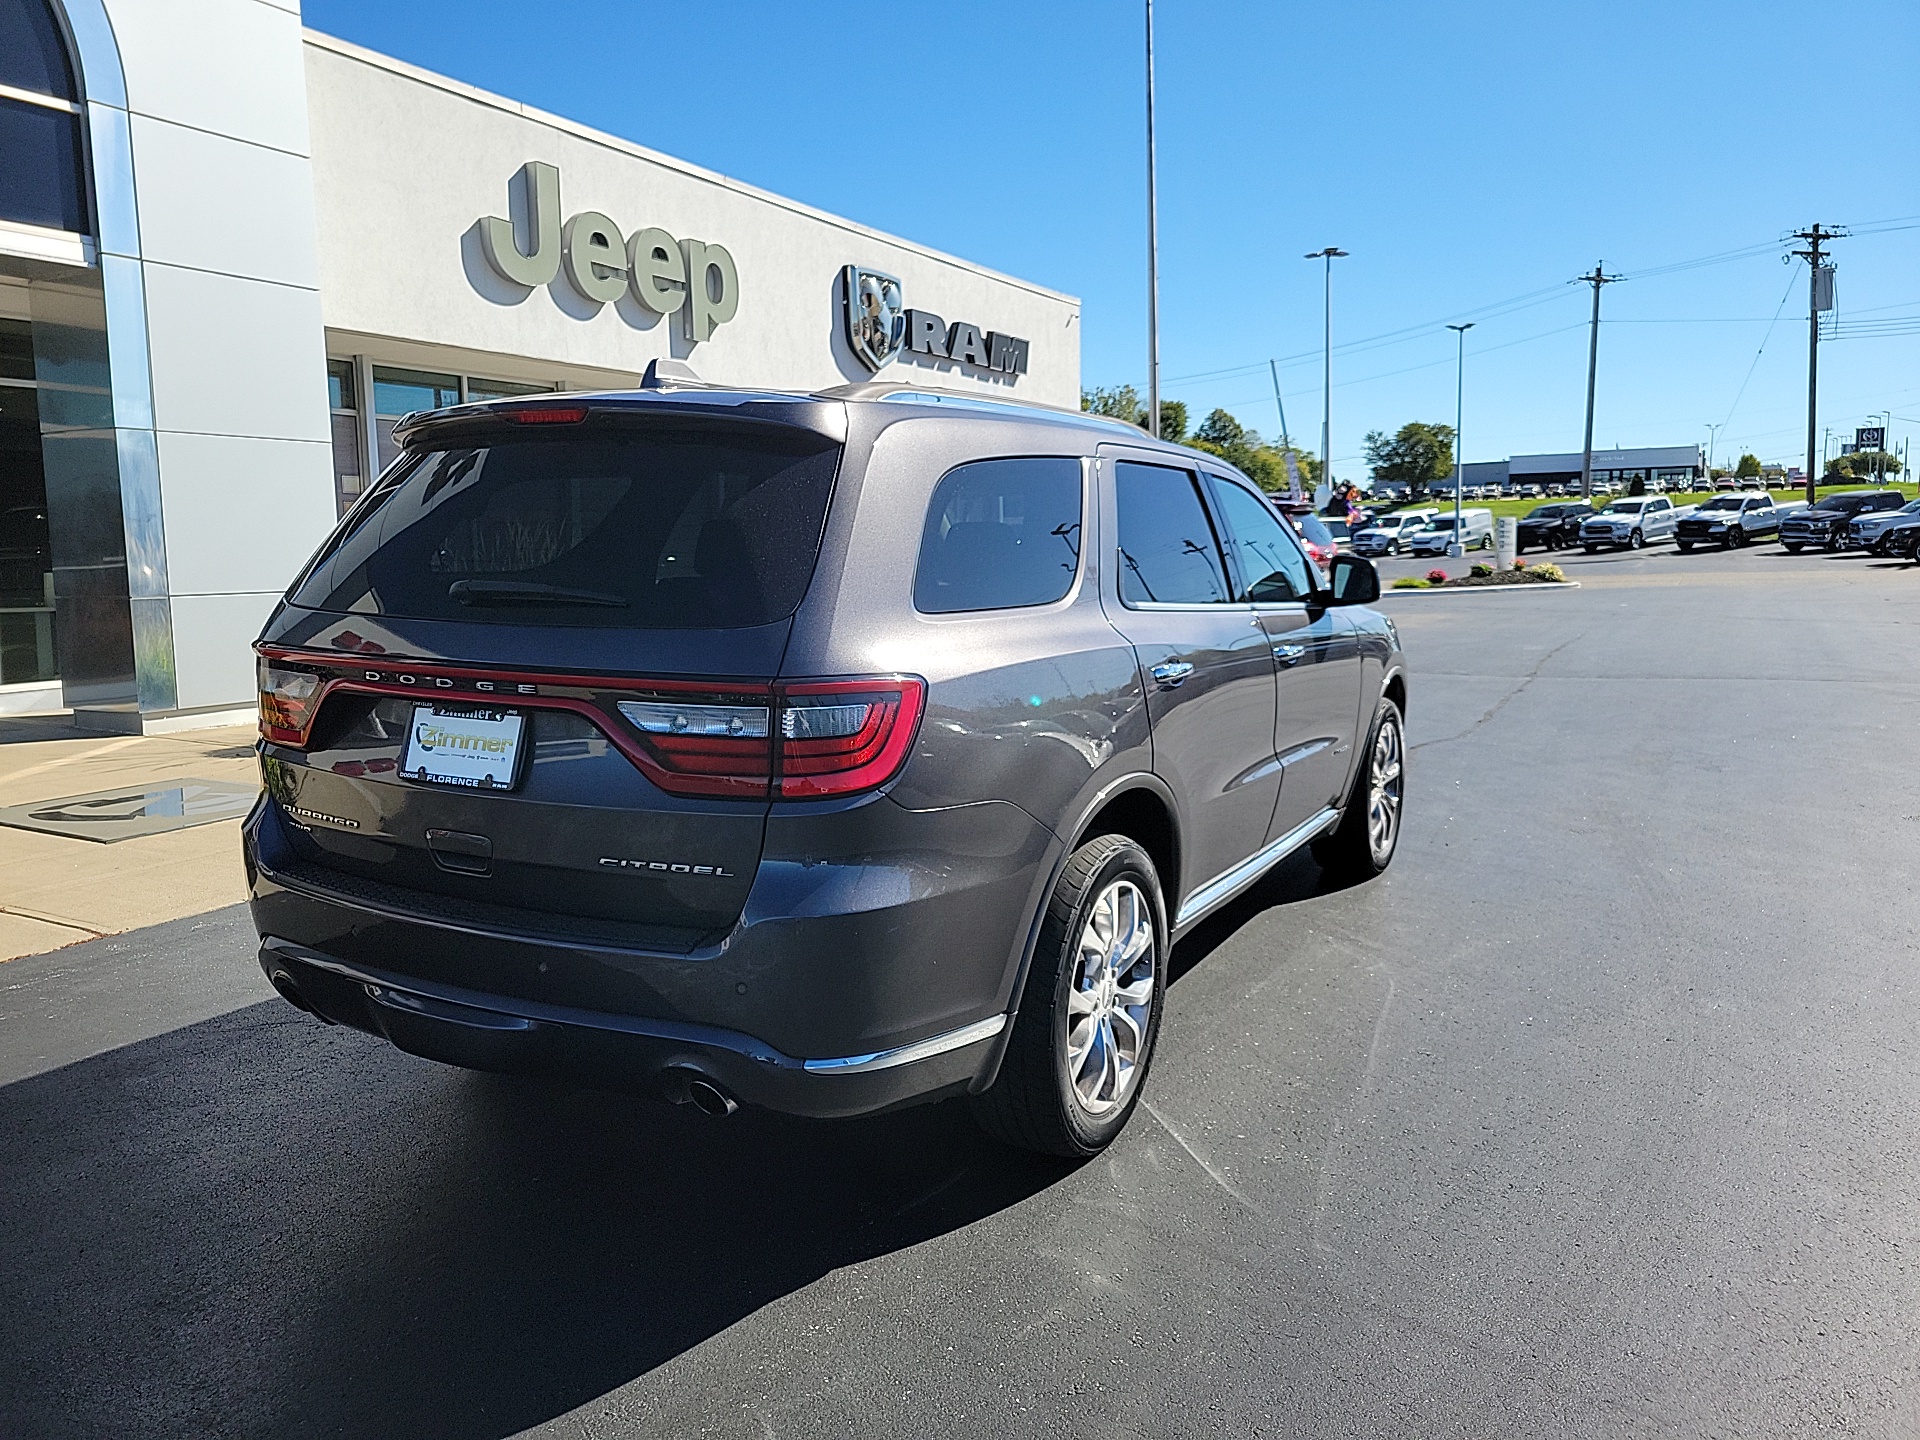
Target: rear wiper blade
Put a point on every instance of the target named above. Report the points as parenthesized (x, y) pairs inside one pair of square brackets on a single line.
[(521, 592)]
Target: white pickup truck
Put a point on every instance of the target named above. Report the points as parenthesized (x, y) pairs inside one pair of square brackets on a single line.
[(1630, 523)]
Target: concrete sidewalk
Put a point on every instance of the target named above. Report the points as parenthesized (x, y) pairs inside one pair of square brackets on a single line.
[(56, 890)]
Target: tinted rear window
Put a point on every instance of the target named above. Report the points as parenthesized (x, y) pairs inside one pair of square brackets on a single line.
[(666, 528), (1000, 534)]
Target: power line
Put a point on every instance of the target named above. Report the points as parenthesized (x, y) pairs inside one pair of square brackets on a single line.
[(1758, 353)]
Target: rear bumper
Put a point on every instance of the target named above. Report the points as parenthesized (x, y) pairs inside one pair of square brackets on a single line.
[(487, 1032), (848, 985)]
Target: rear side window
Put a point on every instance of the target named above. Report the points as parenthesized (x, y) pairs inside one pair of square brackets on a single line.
[(1168, 555), (665, 527), (1000, 534)]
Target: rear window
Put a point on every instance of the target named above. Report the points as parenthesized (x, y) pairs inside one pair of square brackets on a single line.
[(1000, 534), (664, 528)]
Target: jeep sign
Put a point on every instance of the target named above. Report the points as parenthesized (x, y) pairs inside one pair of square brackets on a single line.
[(691, 278)]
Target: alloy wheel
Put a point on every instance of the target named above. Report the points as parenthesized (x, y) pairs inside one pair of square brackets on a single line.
[(1385, 769), (1110, 1004)]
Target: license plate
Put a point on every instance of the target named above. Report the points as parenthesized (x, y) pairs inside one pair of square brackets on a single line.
[(469, 745)]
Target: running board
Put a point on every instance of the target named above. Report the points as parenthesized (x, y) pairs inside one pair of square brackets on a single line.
[(1218, 891)]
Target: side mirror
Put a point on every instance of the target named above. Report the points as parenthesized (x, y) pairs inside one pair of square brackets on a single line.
[(1353, 580)]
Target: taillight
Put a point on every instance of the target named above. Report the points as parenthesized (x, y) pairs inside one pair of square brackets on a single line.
[(808, 740), (838, 737), (288, 700), (547, 414), (712, 746)]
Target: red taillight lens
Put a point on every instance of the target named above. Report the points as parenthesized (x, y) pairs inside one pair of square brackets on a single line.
[(838, 737), (547, 415), (799, 741), (288, 701), (708, 744)]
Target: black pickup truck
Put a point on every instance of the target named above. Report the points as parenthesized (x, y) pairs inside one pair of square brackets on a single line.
[(1825, 522), (1551, 527)]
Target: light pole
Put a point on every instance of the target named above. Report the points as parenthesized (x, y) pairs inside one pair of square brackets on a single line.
[(1153, 255), (1713, 432), (1330, 254), (1459, 413)]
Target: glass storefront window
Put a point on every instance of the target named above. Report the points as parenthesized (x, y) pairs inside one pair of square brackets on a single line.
[(398, 393), (42, 162), (26, 550), (344, 419), (479, 390)]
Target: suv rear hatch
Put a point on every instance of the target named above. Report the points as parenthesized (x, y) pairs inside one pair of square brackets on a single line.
[(531, 682)]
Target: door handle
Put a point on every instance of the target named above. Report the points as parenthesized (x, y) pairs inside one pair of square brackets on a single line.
[(1289, 654), (1170, 673)]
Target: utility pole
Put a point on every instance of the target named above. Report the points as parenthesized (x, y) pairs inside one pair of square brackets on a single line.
[(1598, 278), (1819, 298), (1286, 443), (1713, 432), (1153, 255), (1330, 254), (1459, 413)]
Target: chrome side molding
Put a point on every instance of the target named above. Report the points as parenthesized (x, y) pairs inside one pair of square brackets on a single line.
[(1223, 888)]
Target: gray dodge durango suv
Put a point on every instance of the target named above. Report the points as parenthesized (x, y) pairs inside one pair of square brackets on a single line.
[(824, 752)]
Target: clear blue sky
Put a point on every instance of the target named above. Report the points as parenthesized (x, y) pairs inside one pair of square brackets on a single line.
[(1466, 154)]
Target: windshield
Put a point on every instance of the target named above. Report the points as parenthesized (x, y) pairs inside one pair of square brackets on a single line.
[(1725, 502), (1624, 507), (666, 527), (1442, 522)]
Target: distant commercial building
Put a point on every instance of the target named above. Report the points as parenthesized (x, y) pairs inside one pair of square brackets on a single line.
[(233, 253), (1674, 465)]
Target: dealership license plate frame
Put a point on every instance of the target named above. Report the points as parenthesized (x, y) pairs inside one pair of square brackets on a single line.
[(411, 768)]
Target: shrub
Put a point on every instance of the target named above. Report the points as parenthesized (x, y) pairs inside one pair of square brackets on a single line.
[(1482, 570), (1546, 570), (1438, 577), (1410, 582), (1520, 565)]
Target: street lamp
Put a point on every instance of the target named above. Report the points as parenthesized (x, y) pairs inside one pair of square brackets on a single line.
[(1459, 410), (1713, 432), (1153, 254), (1330, 254)]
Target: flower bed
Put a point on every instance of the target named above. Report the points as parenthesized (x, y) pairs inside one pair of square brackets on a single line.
[(1483, 575)]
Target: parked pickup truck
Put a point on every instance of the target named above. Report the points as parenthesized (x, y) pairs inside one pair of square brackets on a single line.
[(1868, 530), (1728, 521), (1825, 522), (1388, 534), (1630, 523)]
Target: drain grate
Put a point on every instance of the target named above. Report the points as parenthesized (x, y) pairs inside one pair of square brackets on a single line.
[(107, 816)]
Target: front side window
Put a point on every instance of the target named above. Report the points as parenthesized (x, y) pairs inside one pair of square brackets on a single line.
[(1000, 534), (1168, 553), (1270, 564), (647, 527)]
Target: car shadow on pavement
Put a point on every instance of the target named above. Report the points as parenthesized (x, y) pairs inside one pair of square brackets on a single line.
[(261, 1225)]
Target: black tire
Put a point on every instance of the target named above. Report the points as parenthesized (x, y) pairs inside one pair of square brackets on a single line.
[(1686, 546), (1348, 852), (1736, 537), (1636, 541), (1032, 1104), (1591, 549), (1790, 547)]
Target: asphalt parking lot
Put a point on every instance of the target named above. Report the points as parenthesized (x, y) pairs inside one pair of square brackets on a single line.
[(1593, 1117)]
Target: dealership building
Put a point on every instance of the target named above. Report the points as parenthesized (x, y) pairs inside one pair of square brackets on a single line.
[(233, 253), (1674, 466)]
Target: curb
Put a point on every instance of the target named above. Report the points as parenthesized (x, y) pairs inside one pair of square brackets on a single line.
[(1484, 589)]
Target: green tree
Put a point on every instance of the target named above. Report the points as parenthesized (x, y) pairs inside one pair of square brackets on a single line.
[(1123, 402), (1417, 455), (1863, 465), (1748, 468)]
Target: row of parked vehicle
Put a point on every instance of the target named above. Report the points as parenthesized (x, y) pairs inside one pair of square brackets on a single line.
[(1884, 522)]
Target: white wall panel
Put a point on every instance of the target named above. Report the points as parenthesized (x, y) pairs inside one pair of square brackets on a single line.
[(229, 66), (405, 163), (242, 514), (213, 639), (235, 357), (214, 203)]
